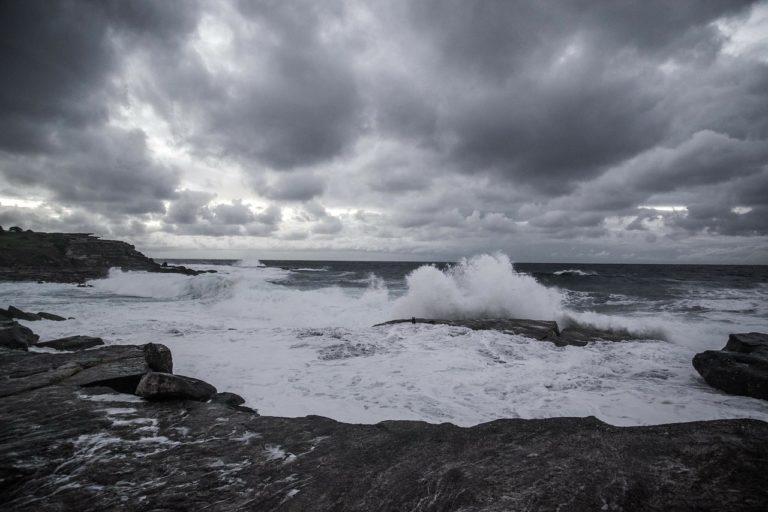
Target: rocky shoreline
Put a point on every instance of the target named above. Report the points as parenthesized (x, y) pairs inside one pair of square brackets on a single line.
[(112, 427), (70, 257)]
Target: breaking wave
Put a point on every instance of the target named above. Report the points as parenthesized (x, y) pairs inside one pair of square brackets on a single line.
[(574, 272), (481, 286)]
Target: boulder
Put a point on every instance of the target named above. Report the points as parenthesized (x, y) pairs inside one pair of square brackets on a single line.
[(734, 372), (22, 315), (50, 316), (72, 343), (16, 336), (166, 386)]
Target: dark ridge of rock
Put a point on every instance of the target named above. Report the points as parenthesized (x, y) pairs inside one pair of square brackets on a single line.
[(72, 343), (50, 316), (70, 257), (119, 367), (543, 330), (5, 315), (580, 336), (16, 336), (740, 368), (64, 447), (22, 315), (166, 386)]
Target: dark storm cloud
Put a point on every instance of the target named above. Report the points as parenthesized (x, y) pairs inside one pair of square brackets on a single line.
[(552, 96), (291, 187), (192, 213), (292, 101), (485, 120), (59, 60)]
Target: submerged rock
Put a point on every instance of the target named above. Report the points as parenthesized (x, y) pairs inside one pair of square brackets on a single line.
[(740, 368), (166, 386), (72, 343)]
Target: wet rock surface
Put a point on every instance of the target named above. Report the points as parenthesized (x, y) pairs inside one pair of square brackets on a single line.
[(71, 442), (70, 257), (740, 368), (544, 330), (16, 336)]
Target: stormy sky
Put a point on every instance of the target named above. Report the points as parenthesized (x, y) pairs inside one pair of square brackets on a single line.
[(570, 131)]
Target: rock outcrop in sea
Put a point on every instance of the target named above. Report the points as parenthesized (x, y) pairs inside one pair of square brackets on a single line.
[(70, 257), (740, 368), (76, 435), (542, 330)]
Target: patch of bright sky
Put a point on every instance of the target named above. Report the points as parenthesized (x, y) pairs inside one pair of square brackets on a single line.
[(19, 203), (664, 208), (747, 37)]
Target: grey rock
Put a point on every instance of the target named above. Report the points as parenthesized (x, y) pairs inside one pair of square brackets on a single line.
[(5, 315), (119, 367), (50, 316), (734, 372), (166, 386), (748, 343), (16, 336), (228, 399), (22, 315), (72, 343)]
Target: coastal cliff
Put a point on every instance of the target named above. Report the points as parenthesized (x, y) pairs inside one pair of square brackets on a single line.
[(69, 257)]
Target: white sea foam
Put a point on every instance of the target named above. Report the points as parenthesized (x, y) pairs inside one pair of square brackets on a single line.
[(574, 272), (249, 262), (481, 286), (294, 352)]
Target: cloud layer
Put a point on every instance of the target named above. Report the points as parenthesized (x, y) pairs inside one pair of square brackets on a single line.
[(589, 131)]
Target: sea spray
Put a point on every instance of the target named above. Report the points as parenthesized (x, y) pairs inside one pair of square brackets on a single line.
[(481, 286), (164, 286)]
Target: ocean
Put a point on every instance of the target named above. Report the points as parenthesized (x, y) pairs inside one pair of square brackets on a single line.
[(296, 338)]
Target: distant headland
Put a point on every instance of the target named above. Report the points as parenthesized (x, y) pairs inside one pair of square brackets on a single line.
[(70, 257)]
